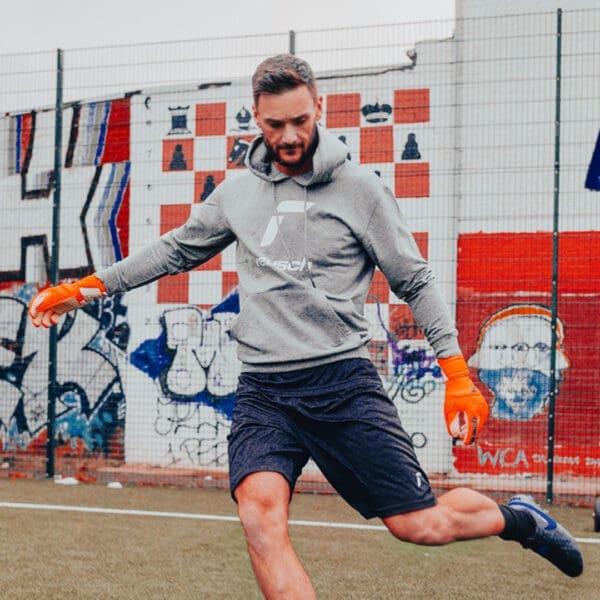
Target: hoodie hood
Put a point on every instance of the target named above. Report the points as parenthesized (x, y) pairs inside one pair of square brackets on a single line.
[(329, 154)]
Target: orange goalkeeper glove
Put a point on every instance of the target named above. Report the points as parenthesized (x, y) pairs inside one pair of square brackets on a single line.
[(46, 308), (465, 408)]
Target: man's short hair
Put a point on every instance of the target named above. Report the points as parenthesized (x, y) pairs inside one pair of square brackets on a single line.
[(282, 73)]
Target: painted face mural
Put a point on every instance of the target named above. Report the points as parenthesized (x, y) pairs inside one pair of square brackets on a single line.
[(513, 360)]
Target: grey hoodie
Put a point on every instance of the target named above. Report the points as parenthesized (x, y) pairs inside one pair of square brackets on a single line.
[(306, 249)]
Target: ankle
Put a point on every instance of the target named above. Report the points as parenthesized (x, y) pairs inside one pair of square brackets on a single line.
[(519, 525)]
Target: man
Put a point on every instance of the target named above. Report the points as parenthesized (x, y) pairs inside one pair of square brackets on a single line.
[(309, 228)]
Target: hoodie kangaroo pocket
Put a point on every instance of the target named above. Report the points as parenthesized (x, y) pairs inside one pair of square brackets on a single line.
[(287, 325)]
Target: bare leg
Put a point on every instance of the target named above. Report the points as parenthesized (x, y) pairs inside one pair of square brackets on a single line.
[(263, 506), (460, 514)]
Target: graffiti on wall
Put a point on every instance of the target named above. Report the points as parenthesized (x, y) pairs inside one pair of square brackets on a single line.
[(413, 374), (95, 188), (94, 217), (507, 339), (89, 399), (513, 359), (194, 365)]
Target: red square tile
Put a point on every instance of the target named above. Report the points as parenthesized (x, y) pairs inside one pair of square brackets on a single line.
[(380, 289), (411, 106), (343, 110), (210, 118), (172, 216), (173, 289), (230, 281), (422, 239), (205, 182), (237, 146), (377, 144), (402, 323), (178, 155), (412, 180), (214, 264)]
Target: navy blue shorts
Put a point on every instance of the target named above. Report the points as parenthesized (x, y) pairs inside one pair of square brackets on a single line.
[(340, 416)]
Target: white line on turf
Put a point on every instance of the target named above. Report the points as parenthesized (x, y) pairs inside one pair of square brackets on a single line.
[(202, 517)]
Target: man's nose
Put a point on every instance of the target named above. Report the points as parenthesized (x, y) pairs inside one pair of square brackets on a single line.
[(290, 135)]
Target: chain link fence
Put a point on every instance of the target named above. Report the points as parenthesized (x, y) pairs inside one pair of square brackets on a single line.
[(486, 130)]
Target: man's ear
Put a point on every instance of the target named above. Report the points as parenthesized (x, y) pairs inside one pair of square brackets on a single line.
[(255, 115), (318, 108)]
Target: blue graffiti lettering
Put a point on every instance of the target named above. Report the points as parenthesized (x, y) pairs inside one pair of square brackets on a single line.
[(414, 370), (194, 359)]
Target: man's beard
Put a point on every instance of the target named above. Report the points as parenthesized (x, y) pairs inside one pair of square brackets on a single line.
[(275, 154)]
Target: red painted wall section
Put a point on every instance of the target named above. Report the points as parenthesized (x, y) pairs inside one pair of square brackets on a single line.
[(496, 271), (117, 135)]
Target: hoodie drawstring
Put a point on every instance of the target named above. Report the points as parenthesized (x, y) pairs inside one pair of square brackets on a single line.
[(308, 271)]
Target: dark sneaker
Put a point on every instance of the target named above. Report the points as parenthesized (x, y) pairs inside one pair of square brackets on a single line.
[(550, 539)]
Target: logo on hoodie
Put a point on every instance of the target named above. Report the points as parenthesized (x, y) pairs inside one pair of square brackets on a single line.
[(283, 265), (287, 207)]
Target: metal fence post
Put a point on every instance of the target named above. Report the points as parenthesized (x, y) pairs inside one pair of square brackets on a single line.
[(555, 259), (292, 42), (54, 264)]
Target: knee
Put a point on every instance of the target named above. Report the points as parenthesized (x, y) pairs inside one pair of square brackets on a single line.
[(263, 516), (259, 512)]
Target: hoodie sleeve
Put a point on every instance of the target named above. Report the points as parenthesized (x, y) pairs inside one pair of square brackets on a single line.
[(205, 234), (392, 247)]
